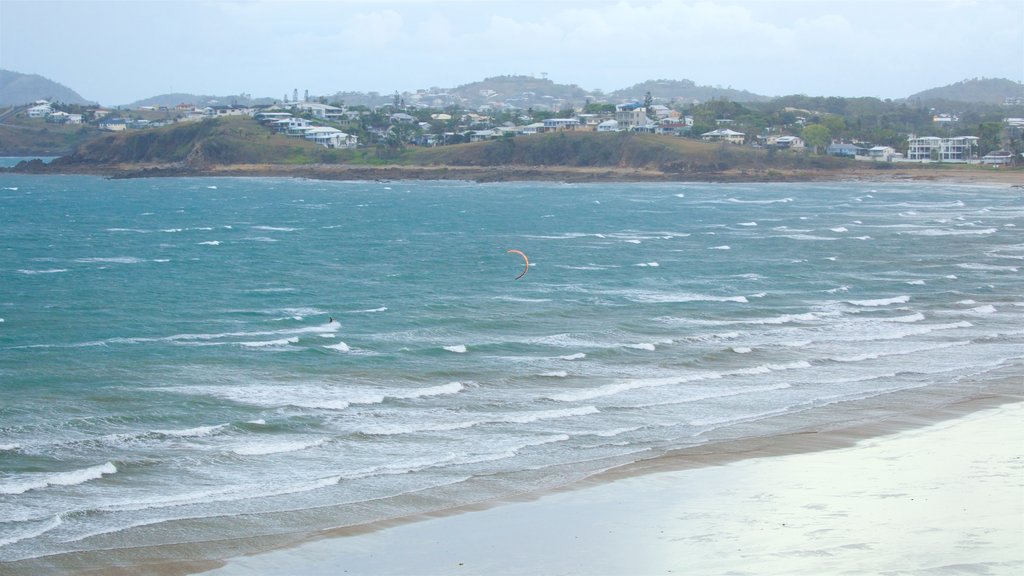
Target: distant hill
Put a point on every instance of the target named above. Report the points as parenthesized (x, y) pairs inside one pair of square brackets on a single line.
[(17, 89), (684, 91), (983, 90), (171, 100)]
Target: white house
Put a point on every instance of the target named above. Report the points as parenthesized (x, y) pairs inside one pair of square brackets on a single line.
[(329, 137), (958, 149), (885, 153), (724, 135), (552, 124), (39, 111), (318, 110), (608, 126)]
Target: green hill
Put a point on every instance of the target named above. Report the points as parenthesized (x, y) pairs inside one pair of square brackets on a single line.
[(196, 145), (983, 90), (17, 89), (227, 142)]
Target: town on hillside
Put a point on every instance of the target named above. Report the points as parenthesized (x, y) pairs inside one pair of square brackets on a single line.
[(876, 132)]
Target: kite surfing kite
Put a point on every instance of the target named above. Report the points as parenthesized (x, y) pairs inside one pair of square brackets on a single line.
[(525, 260)]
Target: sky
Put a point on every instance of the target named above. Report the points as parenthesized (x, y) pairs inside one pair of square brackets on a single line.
[(117, 52)]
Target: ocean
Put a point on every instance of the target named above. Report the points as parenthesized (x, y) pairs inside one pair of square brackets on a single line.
[(192, 367)]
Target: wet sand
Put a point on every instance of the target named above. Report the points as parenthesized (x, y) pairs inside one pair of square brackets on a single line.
[(943, 498)]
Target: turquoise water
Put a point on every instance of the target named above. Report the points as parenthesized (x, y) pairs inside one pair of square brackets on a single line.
[(186, 360)]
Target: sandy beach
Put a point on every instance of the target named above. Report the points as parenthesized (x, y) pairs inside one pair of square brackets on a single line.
[(944, 498)]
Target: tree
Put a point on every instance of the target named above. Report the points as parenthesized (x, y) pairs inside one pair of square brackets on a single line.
[(648, 101), (816, 135)]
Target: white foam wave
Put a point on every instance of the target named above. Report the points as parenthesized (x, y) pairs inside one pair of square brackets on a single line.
[(275, 228), (46, 271), (722, 247), (986, 309), (443, 389), (670, 297), (642, 346), (576, 356), (340, 347), (742, 349), (71, 478), (244, 492), (989, 267), (197, 432), (267, 448), (903, 352), (555, 374), (776, 201), (951, 232), (381, 309), (648, 265), (458, 349), (638, 383), (748, 224), (917, 317), (516, 418), (881, 301), (269, 343), (115, 260), (33, 532), (839, 229), (916, 282), (808, 237), (210, 243), (9, 447), (783, 319), (315, 396)]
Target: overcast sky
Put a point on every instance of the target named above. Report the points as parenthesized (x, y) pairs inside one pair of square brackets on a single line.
[(117, 52)]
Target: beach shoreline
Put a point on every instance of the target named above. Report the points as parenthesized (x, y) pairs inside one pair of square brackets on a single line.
[(244, 556), (508, 536), (868, 172)]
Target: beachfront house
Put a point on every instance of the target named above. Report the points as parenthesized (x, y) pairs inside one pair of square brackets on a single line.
[(724, 135), (998, 158), (845, 150), (927, 148)]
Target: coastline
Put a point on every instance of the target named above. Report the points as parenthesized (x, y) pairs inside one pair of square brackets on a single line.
[(369, 548), (869, 172), (804, 503)]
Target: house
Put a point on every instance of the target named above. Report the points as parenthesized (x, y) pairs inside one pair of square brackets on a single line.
[(786, 142), (402, 118), (845, 150), (557, 124), (40, 110), (113, 124), (958, 149), (998, 158), (885, 153), (534, 128), (316, 109), (60, 117), (329, 137), (724, 135), (630, 116), (608, 126)]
